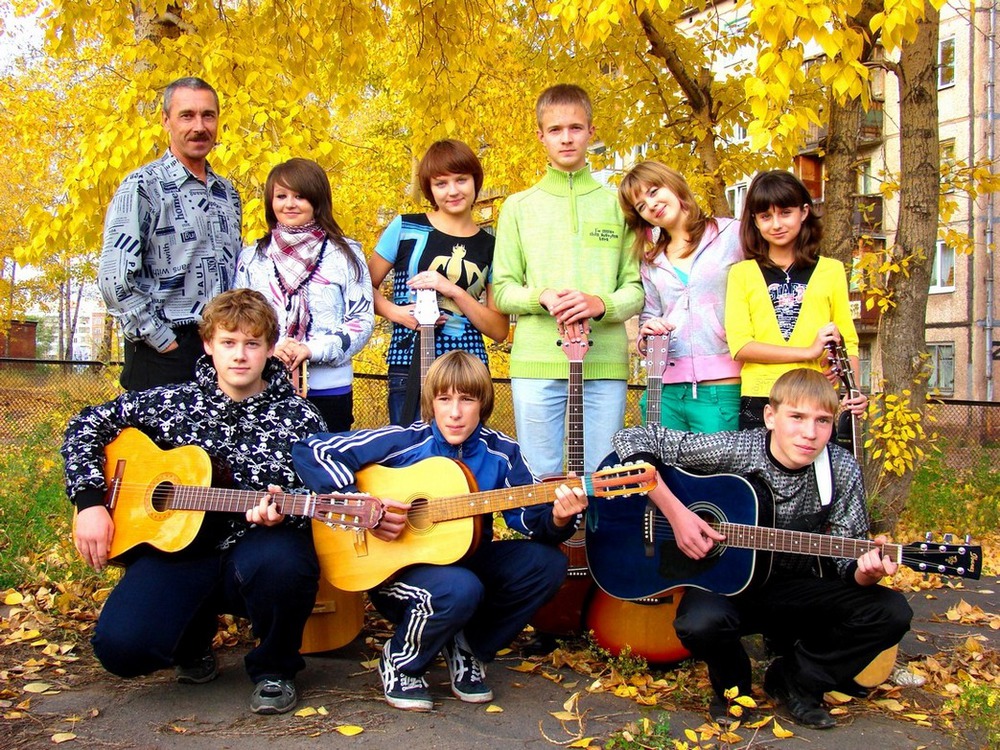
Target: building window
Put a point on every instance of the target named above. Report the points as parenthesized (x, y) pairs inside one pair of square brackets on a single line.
[(942, 359), (946, 62), (866, 180), (948, 165), (943, 270), (863, 378), (736, 196)]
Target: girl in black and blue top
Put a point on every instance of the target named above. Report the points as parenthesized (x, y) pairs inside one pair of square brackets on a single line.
[(443, 250)]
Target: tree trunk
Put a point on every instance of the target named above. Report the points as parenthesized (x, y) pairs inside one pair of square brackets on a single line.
[(901, 329), (697, 87)]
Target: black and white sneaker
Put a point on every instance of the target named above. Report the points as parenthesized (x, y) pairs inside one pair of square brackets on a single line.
[(402, 690), (199, 670), (468, 674), (273, 696)]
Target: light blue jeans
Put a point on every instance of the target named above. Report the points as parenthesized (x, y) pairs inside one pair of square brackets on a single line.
[(540, 416)]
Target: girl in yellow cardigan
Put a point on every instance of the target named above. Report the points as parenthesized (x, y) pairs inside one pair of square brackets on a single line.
[(785, 303)]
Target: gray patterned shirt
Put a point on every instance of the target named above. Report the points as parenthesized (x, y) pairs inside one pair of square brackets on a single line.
[(796, 495), (170, 246)]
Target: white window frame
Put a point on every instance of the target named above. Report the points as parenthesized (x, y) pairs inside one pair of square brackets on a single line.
[(736, 196), (945, 67), (938, 267), (936, 349)]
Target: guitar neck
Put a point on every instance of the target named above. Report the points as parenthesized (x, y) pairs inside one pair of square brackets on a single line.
[(744, 536), (574, 419), (428, 352), (654, 394), (466, 506), (187, 497)]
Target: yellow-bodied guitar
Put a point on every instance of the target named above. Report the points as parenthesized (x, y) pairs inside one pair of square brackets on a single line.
[(160, 497), (442, 523)]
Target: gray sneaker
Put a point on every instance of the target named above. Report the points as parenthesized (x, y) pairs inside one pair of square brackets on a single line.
[(468, 673), (198, 671), (273, 697)]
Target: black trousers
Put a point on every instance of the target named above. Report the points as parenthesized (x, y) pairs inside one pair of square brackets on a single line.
[(146, 368), (836, 629)]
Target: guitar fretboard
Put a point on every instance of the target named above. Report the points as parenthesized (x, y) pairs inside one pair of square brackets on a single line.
[(574, 419), (465, 506), (428, 352), (801, 542)]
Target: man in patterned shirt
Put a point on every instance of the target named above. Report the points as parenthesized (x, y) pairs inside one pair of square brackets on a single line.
[(171, 237), (833, 619), (243, 412)]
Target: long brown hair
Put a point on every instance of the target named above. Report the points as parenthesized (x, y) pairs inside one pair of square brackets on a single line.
[(308, 179), (782, 190), (653, 174)]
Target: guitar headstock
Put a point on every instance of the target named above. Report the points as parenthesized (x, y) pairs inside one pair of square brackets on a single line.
[(622, 479), (348, 511), (657, 347), (426, 309), (944, 558), (574, 340), (840, 364)]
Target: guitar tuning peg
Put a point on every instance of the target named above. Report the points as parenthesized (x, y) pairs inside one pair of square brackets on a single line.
[(968, 538), (949, 538), (928, 536)]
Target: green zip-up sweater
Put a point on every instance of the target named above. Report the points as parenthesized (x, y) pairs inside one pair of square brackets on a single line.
[(566, 232)]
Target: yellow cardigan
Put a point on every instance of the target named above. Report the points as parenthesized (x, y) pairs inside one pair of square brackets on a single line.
[(750, 317)]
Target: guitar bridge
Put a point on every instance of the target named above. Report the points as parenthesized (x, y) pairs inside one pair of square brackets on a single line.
[(360, 543), (648, 527)]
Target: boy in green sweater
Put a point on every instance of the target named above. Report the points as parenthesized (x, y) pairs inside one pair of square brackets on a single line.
[(561, 264)]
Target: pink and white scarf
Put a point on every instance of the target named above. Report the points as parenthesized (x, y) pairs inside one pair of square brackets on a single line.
[(296, 253)]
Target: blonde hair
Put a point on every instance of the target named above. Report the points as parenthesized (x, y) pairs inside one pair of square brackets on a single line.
[(461, 372), (802, 387), (563, 95)]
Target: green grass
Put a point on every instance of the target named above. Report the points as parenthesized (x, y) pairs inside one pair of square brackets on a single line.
[(35, 516), (965, 500)]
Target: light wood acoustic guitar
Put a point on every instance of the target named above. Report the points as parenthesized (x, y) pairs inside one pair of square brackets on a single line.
[(442, 523), (160, 497)]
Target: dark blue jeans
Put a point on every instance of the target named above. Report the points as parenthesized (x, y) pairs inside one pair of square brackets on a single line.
[(396, 381), (490, 596), (164, 609)]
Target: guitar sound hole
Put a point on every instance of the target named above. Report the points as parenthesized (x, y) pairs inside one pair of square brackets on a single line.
[(418, 516), (162, 498)]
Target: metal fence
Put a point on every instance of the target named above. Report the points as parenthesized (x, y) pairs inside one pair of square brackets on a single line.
[(47, 392)]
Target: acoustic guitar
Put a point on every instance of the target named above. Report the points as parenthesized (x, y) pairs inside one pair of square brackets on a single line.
[(442, 522), (160, 497), (645, 626), (848, 425), (633, 554), (563, 614)]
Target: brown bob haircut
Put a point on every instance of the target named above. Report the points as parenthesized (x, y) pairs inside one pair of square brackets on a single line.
[(448, 157), (461, 372), (240, 310)]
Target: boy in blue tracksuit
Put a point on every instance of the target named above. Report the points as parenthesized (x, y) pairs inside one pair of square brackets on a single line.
[(472, 608)]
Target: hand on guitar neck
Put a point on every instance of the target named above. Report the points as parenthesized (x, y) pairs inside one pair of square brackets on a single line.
[(571, 306)]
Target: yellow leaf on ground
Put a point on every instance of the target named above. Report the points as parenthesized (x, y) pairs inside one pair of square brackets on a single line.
[(583, 742), (524, 666), (564, 715), (60, 737), (780, 732), (349, 730), (13, 598), (307, 711), (494, 709), (890, 704), (37, 687)]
